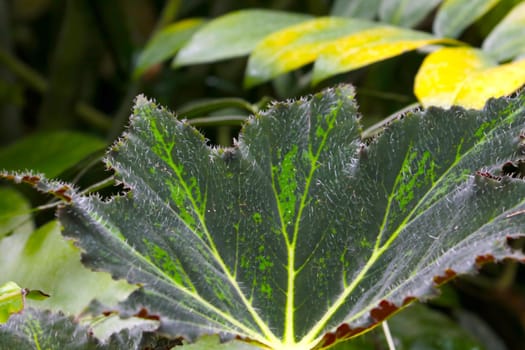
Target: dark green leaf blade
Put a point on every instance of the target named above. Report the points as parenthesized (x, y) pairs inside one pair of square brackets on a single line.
[(301, 236)]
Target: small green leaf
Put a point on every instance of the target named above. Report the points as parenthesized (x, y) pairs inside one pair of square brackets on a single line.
[(11, 300), (50, 153), (37, 295), (365, 9), (507, 39), (455, 15), (233, 35), (166, 43), (406, 13)]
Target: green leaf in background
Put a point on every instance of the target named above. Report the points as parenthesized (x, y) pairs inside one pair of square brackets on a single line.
[(233, 35), (454, 16), (405, 13), (301, 236), (419, 327), (335, 44), (42, 259), (50, 153), (166, 43), (365, 9), (507, 39)]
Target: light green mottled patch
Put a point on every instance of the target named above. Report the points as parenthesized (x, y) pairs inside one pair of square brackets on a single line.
[(266, 289), (418, 174), (171, 266), (480, 132), (345, 262), (161, 148), (458, 150), (365, 243), (179, 198), (185, 193), (257, 218), (287, 184), (215, 284), (264, 263)]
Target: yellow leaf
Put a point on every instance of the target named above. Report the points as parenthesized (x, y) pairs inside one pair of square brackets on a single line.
[(491, 82), (297, 46), (368, 46), (443, 72)]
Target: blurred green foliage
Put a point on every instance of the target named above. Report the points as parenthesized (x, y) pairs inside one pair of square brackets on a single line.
[(67, 84)]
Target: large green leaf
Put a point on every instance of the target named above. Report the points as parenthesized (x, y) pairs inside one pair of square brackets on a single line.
[(301, 235)]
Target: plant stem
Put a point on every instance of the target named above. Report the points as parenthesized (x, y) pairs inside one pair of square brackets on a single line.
[(232, 120), (388, 336)]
